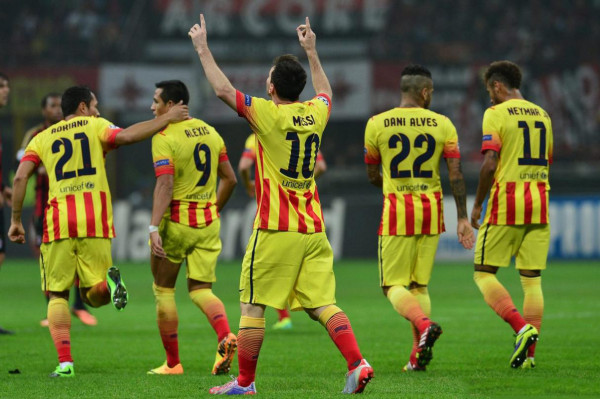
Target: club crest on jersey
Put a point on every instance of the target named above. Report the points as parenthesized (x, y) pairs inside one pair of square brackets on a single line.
[(324, 99), (248, 100)]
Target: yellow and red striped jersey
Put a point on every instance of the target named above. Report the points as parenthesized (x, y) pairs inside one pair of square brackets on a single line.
[(521, 133), (79, 201), (191, 151), (409, 144), (288, 137)]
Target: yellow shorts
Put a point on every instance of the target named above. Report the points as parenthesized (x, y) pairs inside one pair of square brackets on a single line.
[(284, 267), (62, 260), (199, 247), (497, 244), (403, 259)]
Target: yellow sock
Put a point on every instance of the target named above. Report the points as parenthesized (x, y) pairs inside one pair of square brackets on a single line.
[(533, 304), (498, 298), (408, 306), (168, 322), (214, 310)]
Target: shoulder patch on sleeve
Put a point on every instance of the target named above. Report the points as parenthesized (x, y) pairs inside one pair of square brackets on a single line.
[(487, 137), (324, 99), (247, 100), (161, 162)]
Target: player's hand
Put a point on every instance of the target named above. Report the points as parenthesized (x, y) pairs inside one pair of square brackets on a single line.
[(475, 215), (156, 245), (7, 194), (179, 112), (306, 36), (16, 233), (198, 35), (465, 233), (251, 189)]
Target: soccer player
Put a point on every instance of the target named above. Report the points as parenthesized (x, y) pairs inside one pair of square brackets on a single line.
[(188, 156), (5, 193), (52, 114), (78, 222), (288, 259), (247, 162), (408, 143), (517, 148)]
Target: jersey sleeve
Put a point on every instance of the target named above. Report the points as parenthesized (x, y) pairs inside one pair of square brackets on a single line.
[(250, 148), (491, 131), (372, 155), (451, 148), (323, 103), (107, 133), (260, 113), (33, 151), (162, 156), (222, 150), (550, 144)]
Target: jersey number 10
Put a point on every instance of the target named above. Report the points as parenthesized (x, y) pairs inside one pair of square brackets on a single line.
[(307, 172)]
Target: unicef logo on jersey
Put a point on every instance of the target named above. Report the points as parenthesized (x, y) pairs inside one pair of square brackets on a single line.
[(543, 175), (89, 185)]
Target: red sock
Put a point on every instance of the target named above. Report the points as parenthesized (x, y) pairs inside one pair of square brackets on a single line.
[(338, 326), (283, 314), (59, 323), (499, 299), (168, 321), (214, 310), (249, 340), (98, 295)]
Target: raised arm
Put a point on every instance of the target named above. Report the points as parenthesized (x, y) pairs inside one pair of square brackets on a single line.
[(459, 191), (486, 179), (217, 79), (308, 39), (143, 130)]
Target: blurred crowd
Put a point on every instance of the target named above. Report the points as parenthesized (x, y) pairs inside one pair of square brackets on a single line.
[(539, 33)]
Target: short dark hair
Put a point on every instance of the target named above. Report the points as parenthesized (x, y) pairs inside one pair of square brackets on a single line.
[(47, 97), (74, 96), (414, 78), (3, 76), (505, 72), (288, 77), (173, 90)]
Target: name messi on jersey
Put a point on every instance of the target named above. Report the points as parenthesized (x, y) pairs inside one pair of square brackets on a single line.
[(196, 132), (304, 121), (431, 122), (67, 126)]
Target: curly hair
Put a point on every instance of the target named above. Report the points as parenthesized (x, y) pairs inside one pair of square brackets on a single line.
[(505, 72)]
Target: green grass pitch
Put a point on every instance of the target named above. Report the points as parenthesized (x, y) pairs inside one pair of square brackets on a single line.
[(470, 359)]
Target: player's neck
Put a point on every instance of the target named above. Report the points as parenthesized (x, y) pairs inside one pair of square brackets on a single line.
[(410, 104), (279, 101), (514, 95)]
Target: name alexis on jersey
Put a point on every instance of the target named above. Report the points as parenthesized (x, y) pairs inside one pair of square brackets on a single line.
[(197, 131), (417, 122)]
